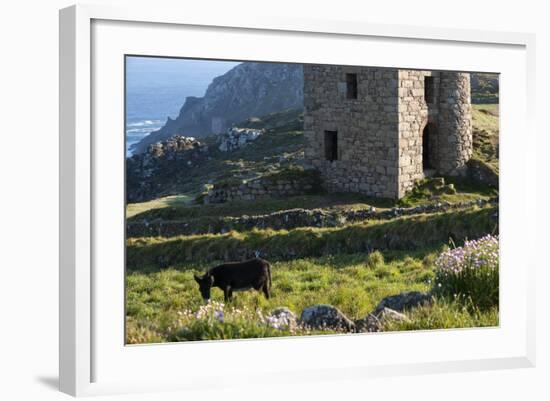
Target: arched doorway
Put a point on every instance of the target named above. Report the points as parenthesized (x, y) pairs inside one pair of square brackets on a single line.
[(428, 148)]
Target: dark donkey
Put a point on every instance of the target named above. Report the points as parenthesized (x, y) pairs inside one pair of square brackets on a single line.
[(236, 276)]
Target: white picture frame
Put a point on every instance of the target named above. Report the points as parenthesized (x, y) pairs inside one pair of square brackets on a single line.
[(92, 362)]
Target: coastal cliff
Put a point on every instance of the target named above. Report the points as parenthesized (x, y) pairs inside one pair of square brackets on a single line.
[(247, 90)]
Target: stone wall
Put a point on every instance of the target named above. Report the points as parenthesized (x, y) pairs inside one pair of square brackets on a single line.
[(287, 219), (455, 123), (367, 128), (275, 186), (414, 112), (389, 135)]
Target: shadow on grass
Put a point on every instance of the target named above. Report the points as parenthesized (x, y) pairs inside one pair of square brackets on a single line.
[(410, 234)]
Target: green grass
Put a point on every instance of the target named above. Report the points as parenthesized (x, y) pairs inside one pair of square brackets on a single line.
[(169, 210), (446, 314), (486, 117), (158, 302), (486, 133), (455, 190), (406, 233), (265, 206), (133, 209), (344, 281), (310, 265)]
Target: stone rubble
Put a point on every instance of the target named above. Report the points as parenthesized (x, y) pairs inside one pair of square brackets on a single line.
[(237, 138)]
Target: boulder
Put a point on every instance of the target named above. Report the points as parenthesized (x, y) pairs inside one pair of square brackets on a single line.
[(403, 301), (369, 324), (373, 323), (326, 316), (281, 318), (390, 315)]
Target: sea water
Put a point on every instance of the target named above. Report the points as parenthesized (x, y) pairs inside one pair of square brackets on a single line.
[(156, 88)]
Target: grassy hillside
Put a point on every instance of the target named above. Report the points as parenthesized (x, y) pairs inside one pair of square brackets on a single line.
[(282, 147), (404, 233), (158, 302), (486, 133), (351, 266)]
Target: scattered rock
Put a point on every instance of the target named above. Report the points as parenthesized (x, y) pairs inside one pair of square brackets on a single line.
[(146, 172), (282, 317), (390, 315), (236, 138), (373, 323), (403, 301), (326, 316), (286, 219), (369, 324)]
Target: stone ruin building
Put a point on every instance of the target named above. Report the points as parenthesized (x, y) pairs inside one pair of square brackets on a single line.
[(378, 130)]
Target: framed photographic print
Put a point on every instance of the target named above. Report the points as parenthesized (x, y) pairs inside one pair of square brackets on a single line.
[(342, 199)]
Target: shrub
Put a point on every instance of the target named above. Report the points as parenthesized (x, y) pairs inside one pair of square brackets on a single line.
[(428, 261), (470, 272), (375, 259)]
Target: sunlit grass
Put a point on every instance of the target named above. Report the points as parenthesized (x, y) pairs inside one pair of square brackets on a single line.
[(486, 117), (155, 300), (133, 209), (406, 233), (353, 283)]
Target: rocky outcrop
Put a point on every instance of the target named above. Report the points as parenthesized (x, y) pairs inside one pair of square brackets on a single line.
[(154, 173), (247, 90), (237, 138)]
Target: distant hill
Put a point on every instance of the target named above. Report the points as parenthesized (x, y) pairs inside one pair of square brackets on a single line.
[(485, 88), (247, 90)]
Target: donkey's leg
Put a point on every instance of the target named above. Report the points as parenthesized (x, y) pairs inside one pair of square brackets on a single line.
[(265, 290), (227, 293)]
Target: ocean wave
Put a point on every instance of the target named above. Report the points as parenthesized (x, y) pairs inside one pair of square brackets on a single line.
[(137, 130), (144, 123), (134, 131)]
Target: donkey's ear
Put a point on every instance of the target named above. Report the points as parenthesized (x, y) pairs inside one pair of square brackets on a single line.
[(197, 278)]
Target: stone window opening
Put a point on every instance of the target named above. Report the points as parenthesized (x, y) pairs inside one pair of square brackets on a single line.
[(331, 145), (429, 89), (427, 147), (351, 86)]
